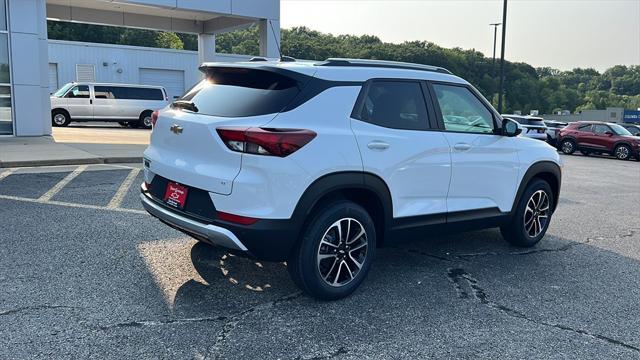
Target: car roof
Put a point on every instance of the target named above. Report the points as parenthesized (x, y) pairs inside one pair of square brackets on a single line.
[(355, 70), (117, 84)]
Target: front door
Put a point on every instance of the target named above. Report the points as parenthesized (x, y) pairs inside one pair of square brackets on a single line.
[(485, 165), (79, 102), (396, 141)]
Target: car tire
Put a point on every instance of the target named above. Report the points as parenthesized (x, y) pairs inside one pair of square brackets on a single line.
[(145, 120), (60, 118), (622, 152), (124, 124), (532, 215), (336, 251), (568, 146)]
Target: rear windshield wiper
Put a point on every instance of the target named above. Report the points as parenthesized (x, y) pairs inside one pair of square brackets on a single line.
[(185, 105)]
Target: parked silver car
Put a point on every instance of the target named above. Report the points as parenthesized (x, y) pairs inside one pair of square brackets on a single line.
[(532, 127), (130, 105), (553, 128)]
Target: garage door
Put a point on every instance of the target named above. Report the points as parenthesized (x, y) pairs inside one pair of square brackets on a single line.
[(53, 77), (172, 80)]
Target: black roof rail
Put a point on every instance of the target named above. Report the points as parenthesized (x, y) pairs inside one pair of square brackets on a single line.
[(258, 58), (382, 64), (285, 58)]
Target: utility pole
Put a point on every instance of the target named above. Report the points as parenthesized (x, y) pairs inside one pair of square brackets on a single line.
[(495, 37), (504, 31)]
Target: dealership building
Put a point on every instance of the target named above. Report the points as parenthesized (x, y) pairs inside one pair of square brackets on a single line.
[(31, 65)]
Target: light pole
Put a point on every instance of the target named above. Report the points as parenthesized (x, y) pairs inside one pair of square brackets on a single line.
[(495, 36), (504, 31)]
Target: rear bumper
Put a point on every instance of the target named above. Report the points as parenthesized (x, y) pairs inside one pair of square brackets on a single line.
[(267, 240), (214, 234)]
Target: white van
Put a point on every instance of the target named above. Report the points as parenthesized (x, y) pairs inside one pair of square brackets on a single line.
[(130, 105)]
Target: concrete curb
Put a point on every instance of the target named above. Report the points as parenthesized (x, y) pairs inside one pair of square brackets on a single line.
[(57, 162)]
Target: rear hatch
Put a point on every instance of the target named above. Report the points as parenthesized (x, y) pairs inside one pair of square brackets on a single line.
[(185, 146), (532, 125)]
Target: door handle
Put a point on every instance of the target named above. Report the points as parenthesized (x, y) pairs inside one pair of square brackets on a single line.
[(462, 146), (378, 145), (91, 101)]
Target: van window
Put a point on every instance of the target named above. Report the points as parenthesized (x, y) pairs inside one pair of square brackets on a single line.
[(128, 93), (79, 92), (241, 92)]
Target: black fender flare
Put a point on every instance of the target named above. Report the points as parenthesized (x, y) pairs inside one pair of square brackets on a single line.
[(343, 181), (535, 170), (621, 142)]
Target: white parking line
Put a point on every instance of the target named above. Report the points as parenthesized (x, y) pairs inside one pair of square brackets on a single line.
[(123, 189), (5, 173), (74, 205), (54, 190)]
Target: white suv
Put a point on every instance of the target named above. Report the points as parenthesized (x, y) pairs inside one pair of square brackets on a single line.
[(319, 163)]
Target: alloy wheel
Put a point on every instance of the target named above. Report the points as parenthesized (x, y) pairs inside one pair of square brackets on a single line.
[(536, 215), (622, 152), (342, 252), (567, 147)]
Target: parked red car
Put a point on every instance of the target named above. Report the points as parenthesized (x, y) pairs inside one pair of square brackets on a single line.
[(599, 138)]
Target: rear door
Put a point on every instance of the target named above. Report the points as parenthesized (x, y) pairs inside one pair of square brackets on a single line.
[(485, 165), (394, 130), (586, 138), (80, 103)]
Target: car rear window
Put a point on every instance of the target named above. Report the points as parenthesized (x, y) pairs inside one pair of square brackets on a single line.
[(527, 121), (242, 92)]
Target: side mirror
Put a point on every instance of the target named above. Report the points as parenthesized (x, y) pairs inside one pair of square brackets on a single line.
[(608, 133), (510, 128)]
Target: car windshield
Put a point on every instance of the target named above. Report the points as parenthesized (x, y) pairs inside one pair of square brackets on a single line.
[(619, 130), (62, 90)]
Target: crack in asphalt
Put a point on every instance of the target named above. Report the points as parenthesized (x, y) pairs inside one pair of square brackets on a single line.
[(175, 321), (36, 307), (457, 275), (331, 355), (233, 320)]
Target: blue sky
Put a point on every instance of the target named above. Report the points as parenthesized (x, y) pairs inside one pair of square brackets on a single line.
[(559, 33)]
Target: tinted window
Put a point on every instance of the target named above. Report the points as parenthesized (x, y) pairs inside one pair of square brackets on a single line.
[(103, 92), (462, 110), (127, 93), (240, 92), (600, 129), (586, 128), (79, 92), (395, 104)]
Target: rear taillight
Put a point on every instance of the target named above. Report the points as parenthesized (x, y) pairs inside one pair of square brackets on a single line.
[(154, 118), (259, 141)]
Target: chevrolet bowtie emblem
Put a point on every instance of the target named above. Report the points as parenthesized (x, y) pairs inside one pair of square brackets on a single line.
[(176, 129)]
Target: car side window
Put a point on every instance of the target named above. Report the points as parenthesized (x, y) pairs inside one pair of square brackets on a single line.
[(600, 129), (585, 128), (462, 111), (103, 92), (79, 92), (396, 105)]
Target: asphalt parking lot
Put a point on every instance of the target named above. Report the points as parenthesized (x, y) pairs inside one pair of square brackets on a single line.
[(86, 273)]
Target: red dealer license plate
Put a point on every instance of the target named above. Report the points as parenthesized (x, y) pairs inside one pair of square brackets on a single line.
[(176, 195)]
